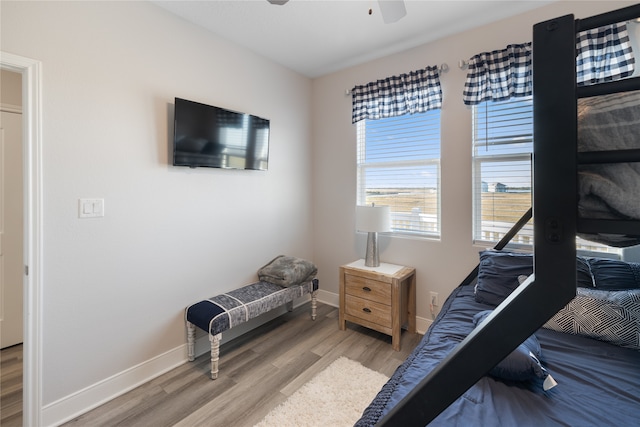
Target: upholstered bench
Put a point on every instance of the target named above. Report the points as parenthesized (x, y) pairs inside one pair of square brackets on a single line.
[(222, 312)]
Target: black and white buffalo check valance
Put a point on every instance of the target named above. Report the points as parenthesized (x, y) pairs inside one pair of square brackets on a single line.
[(604, 54), (409, 93), (499, 75)]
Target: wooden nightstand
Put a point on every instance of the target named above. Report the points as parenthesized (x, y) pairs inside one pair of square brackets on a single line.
[(380, 298)]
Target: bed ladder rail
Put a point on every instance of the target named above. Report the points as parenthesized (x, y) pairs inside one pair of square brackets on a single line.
[(625, 85), (609, 156), (619, 15)]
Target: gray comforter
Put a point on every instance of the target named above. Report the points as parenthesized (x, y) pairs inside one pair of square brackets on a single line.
[(609, 191)]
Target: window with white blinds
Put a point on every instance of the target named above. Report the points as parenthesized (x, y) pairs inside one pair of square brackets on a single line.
[(399, 166), (502, 147)]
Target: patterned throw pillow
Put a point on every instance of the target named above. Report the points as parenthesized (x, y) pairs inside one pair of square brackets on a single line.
[(610, 316)]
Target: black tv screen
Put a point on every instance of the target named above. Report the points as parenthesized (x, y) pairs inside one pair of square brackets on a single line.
[(208, 136)]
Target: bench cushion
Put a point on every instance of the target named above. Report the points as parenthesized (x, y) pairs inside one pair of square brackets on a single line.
[(217, 314)]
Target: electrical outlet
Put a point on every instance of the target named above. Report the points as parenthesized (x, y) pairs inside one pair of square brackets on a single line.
[(434, 299)]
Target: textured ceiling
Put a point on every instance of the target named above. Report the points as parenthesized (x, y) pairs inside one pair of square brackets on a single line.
[(317, 37)]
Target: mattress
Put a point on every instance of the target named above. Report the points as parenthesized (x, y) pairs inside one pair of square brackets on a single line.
[(598, 382)]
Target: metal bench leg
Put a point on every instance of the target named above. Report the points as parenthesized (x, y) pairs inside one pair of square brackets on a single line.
[(215, 354), (191, 341)]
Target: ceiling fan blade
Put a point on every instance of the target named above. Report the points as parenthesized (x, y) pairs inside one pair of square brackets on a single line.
[(392, 10), (278, 2)]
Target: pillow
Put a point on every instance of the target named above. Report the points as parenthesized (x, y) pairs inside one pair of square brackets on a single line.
[(584, 275), (523, 363), (610, 316), (498, 274), (287, 271), (616, 275)]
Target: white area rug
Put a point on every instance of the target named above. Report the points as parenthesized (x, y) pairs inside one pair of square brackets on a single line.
[(335, 397)]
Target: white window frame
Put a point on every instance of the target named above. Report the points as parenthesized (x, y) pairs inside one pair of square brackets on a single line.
[(486, 235), (417, 222), (524, 239)]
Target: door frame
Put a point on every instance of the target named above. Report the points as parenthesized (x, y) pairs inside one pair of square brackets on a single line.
[(31, 71)]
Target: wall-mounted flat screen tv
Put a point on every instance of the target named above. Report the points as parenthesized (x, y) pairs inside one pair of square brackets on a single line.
[(208, 136)]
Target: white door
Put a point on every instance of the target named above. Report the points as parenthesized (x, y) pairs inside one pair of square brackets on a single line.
[(11, 229)]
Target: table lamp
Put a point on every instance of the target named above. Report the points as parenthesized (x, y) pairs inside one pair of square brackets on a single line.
[(373, 219)]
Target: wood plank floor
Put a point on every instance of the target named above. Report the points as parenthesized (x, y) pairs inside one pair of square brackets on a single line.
[(258, 371), (11, 386)]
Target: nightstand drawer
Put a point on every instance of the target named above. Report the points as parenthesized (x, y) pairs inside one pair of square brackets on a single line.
[(372, 290), (368, 310)]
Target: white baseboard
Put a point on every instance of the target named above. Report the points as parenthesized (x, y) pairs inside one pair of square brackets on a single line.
[(328, 298), (91, 397), (422, 325), (84, 400), (103, 391)]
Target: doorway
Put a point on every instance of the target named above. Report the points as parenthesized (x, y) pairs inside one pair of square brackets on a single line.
[(11, 209), (31, 75), (11, 248)]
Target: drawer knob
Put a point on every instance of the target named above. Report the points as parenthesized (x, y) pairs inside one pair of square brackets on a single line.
[(366, 310), (366, 289)]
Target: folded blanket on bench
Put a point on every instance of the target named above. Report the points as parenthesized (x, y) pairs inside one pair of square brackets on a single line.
[(286, 270)]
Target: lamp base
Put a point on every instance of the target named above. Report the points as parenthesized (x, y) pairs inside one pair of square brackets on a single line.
[(372, 259)]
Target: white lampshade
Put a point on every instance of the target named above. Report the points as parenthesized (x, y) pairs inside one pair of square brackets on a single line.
[(373, 218)]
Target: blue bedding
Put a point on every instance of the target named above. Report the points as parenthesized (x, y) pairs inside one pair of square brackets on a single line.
[(598, 382)]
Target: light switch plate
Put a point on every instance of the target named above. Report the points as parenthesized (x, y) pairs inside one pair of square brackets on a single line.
[(90, 208)]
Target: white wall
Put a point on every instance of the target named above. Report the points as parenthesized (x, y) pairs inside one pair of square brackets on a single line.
[(441, 264), (115, 288)]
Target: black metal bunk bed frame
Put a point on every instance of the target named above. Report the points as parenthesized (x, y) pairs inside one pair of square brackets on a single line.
[(555, 217)]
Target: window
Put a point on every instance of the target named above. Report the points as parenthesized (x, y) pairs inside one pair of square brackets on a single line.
[(399, 166), (502, 147)]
